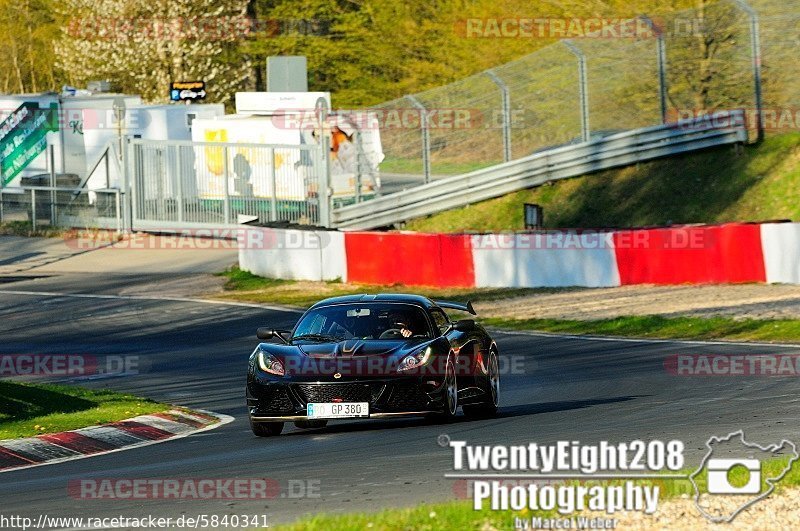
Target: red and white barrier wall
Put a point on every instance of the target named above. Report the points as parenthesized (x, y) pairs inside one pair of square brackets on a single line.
[(728, 253), (780, 245), (292, 254)]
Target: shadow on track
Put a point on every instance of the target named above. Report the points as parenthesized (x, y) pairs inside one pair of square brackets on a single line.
[(503, 413)]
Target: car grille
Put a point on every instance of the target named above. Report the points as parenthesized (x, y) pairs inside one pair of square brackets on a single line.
[(345, 392), (407, 397), (277, 400)]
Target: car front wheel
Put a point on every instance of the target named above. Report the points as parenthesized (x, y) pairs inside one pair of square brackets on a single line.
[(489, 407)]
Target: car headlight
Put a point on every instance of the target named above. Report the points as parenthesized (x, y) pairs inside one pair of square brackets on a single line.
[(415, 360), (269, 363)]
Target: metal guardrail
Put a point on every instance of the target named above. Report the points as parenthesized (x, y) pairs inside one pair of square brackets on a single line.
[(563, 162)]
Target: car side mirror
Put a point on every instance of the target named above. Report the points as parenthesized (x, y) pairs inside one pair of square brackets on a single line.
[(268, 333), (465, 325), (265, 333)]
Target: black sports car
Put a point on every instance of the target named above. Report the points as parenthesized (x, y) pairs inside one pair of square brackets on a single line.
[(372, 356)]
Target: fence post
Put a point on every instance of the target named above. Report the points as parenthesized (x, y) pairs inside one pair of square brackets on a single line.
[(755, 57), (583, 87), (179, 177), (53, 185), (127, 187), (226, 205), (33, 210), (119, 219), (506, 102), (426, 138), (359, 161), (325, 183), (661, 57), (273, 215)]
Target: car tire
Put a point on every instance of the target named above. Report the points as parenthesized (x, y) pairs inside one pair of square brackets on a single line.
[(489, 407), (266, 429), (449, 394), (310, 424)]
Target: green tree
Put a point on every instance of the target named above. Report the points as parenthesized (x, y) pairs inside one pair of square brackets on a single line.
[(143, 45)]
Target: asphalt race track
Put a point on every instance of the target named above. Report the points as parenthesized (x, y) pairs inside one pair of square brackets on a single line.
[(194, 354)]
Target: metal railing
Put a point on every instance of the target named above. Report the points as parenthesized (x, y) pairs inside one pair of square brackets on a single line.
[(568, 161), (51, 206), (183, 183)]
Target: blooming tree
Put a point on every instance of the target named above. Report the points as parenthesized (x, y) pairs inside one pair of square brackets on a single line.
[(143, 45)]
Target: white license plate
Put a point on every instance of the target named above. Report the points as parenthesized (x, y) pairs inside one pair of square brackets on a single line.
[(337, 410)]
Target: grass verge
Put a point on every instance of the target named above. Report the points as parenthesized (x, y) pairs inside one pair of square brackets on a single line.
[(34, 409), (654, 326), (712, 186), (247, 287), (461, 515), (25, 229)]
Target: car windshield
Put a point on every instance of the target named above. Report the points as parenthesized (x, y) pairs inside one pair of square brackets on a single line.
[(363, 321)]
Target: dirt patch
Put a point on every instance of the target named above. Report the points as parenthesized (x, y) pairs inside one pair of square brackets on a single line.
[(778, 511), (738, 301)]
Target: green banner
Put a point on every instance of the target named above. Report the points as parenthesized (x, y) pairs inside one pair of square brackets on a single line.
[(23, 137)]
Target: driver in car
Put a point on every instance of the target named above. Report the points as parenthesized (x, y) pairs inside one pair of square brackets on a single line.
[(398, 324)]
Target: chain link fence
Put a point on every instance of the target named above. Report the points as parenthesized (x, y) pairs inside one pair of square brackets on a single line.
[(646, 71)]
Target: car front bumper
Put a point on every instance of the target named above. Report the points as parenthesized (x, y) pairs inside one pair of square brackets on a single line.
[(275, 400)]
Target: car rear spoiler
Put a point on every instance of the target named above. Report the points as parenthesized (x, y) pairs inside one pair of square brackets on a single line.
[(457, 306)]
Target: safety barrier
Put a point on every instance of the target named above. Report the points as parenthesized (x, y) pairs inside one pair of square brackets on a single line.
[(612, 151), (701, 254)]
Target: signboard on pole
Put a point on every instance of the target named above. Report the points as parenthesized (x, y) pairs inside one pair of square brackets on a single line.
[(23, 137), (187, 90)]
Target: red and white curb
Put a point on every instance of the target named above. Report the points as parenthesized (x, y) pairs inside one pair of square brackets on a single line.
[(139, 431)]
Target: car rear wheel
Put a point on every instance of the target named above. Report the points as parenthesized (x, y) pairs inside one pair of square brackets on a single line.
[(489, 407), (310, 424), (266, 429)]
